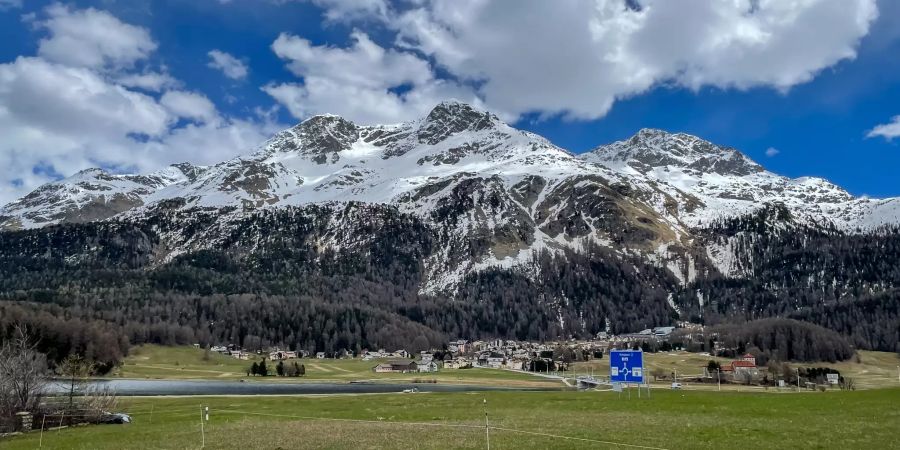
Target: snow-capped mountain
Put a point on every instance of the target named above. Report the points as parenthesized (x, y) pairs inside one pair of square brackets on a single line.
[(714, 182), (91, 194), (460, 224), (495, 194)]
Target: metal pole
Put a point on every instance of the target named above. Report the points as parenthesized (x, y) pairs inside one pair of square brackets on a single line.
[(487, 427), (719, 379)]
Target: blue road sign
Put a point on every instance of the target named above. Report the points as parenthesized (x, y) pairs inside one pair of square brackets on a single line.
[(626, 366)]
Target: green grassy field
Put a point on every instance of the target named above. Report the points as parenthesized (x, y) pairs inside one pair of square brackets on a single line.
[(158, 362), (873, 370), (669, 419)]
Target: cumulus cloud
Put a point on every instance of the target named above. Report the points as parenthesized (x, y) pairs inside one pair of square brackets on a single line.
[(772, 151), (578, 57), (363, 82), (888, 130), (59, 115), (229, 65), (92, 38), (189, 105)]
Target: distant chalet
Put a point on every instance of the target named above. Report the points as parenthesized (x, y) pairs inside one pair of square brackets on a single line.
[(397, 366)]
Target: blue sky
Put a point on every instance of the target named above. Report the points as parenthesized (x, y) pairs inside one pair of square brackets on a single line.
[(810, 79)]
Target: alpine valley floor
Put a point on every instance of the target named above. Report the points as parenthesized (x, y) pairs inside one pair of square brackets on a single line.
[(521, 420)]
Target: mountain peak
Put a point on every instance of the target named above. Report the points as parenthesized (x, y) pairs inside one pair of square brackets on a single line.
[(651, 147), (316, 136), (191, 171), (451, 117)]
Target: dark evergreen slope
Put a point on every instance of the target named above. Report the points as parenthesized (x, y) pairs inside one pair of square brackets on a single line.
[(277, 277), (349, 276), (846, 282), (785, 340)]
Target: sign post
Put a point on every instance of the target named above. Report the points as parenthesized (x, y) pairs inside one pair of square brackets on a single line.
[(627, 366)]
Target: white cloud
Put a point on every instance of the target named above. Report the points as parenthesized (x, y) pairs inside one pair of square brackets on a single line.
[(345, 10), (580, 57), (229, 65), (9, 4), (148, 81), (51, 98), (364, 82), (364, 64), (189, 105), (92, 38), (888, 130), (61, 115), (772, 151), (205, 143), (575, 58)]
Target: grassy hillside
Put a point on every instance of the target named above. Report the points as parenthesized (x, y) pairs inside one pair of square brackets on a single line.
[(672, 420)]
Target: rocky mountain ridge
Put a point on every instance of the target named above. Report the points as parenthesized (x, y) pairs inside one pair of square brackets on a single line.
[(495, 195)]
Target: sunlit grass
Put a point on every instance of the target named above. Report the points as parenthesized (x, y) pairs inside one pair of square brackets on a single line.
[(688, 419)]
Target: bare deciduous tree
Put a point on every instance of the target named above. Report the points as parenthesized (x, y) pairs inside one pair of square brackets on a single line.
[(23, 374)]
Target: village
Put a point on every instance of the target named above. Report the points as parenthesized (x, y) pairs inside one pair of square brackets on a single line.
[(554, 358)]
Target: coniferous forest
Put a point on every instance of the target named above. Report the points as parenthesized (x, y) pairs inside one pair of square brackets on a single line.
[(326, 279)]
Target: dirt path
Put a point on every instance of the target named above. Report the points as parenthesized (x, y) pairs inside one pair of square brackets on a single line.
[(320, 368)]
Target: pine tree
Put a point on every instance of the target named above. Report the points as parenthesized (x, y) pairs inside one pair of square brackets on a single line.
[(301, 370), (262, 369), (254, 369), (279, 368)]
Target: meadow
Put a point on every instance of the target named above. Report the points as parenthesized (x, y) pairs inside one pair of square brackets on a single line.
[(157, 362), (521, 420), (869, 370)]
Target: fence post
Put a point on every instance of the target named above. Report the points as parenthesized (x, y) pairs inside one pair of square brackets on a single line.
[(41, 440), (487, 427), (202, 432)]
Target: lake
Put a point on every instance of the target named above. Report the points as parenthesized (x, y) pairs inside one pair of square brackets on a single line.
[(129, 387)]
